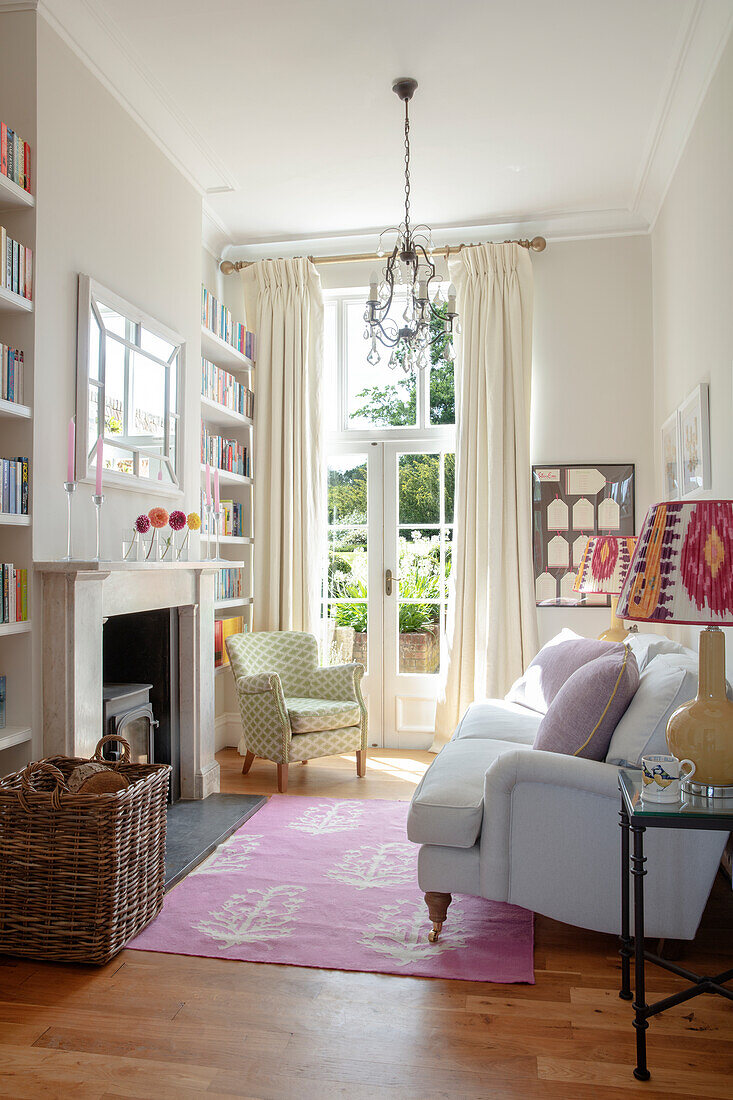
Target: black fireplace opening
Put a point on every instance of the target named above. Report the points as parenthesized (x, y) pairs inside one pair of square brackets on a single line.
[(141, 690)]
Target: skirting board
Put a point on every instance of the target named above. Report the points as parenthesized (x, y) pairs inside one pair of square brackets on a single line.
[(227, 731)]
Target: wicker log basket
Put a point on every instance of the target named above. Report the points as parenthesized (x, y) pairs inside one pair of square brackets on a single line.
[(80, 874)]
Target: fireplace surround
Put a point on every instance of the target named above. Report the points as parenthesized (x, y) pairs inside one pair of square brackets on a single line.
[(78, 597)]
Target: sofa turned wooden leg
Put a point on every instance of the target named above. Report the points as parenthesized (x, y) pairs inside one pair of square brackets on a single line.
[(282, 778), (361, 763), (248, 762), (437, 904)]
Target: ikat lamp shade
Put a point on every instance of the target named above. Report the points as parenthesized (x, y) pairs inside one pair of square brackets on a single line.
[(682, 572), (602, 571)]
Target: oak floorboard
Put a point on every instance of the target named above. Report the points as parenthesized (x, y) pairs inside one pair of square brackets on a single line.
[(150, 1024)]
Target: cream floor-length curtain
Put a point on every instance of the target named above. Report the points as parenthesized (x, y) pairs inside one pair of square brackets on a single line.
[(492, 622), (284, 296)]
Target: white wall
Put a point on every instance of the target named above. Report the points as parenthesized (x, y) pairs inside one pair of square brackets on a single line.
[(592, 373), (110, 204), (592, 376), (692, 268)]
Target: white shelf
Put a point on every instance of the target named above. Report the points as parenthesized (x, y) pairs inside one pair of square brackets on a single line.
[(214, 413), (218, 351), (9, 300), (9, 519), (12, 196), (14, 735), (241, 601), (229, 540), (12, 408), (15, 628), (228, 476), (222, 668)]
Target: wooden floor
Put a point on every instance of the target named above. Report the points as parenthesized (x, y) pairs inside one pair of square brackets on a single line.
[(150, 1025)]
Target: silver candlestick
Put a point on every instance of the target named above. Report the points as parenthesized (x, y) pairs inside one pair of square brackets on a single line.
[(98, 501), (69, 489), (210, 532)]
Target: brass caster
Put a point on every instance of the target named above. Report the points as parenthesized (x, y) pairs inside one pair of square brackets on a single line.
[(434, 932)]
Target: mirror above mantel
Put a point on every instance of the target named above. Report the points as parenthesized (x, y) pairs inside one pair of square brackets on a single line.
[(130, 370)]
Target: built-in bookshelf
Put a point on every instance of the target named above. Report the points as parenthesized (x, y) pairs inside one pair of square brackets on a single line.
[(20, 734), (227, 440)]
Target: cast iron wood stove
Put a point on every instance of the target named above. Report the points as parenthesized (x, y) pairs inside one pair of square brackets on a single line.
[(128, 713)]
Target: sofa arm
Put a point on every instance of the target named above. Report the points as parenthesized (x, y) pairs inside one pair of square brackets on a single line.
[(550, 841)]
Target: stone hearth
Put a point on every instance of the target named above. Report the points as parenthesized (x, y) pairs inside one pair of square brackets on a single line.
[(77, 598)]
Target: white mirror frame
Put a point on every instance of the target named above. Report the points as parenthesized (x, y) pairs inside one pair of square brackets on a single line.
[(89, 292)]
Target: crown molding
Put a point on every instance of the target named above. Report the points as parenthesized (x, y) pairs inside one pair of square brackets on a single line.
[(556, 226), (101, 46), (700, 45), (7, 6)]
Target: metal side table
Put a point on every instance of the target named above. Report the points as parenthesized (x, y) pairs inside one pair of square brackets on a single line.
[(693, 812)]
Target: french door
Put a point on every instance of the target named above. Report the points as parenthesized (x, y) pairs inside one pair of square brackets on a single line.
[(390, 517)]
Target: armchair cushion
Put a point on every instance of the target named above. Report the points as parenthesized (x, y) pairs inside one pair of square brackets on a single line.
[(314, 715), (336, 681)]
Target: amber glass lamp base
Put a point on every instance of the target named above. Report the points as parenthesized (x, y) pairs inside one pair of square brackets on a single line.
[(617, 632), (702, 730)]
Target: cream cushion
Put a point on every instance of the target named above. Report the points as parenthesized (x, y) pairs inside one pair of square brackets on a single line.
[(665, 684), (317, 715), (496, 719)]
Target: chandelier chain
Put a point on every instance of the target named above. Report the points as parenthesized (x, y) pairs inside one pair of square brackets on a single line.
[(407, 168)]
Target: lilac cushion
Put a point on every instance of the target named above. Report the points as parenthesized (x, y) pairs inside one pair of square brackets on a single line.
[(553, 666), (583, 715)]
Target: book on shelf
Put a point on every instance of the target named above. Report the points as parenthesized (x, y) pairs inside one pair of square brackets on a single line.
[(15, 157), (13, 594), (233, 518), (3, 698), (16, 266), (228, 583), (218, 320), (14, 486), (225, 454), (221, 386), (11, 374), (223, 629)]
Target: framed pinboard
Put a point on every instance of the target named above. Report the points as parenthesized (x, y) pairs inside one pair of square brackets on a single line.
[(569, 504)]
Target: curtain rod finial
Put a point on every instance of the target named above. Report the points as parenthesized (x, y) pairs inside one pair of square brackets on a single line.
[(227, 267), (538, 244)]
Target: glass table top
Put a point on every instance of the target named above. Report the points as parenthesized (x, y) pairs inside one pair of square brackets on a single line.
[(694, 810)]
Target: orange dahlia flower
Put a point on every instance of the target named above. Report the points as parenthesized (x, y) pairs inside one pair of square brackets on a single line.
[(158, 517)]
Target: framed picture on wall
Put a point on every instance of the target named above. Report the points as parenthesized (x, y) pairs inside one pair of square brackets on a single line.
[(571, 502), (671, 457), (694, 435)]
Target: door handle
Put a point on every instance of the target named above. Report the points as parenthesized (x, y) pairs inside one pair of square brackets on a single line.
[(388, 580)]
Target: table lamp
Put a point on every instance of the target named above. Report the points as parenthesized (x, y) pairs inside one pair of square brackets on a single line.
[(602, 571), (682, 572)]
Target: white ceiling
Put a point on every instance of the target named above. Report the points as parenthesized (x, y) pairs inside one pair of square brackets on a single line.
[(565, 116)]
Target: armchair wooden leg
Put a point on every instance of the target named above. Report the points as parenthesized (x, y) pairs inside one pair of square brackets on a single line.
[(282, 778), (437, 904), (361, 763), (248, 762)]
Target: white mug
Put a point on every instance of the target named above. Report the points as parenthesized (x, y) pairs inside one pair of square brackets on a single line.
[(662, 775)]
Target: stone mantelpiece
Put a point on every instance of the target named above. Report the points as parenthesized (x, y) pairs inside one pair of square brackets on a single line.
[(77, 597)]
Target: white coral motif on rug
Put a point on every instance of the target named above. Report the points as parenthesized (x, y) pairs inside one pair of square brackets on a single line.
[(329, 819), (380, 865), (232, 855), (254, 917), (401, 933)]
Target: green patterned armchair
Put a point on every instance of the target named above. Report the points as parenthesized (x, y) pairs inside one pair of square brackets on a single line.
[(291, 709)]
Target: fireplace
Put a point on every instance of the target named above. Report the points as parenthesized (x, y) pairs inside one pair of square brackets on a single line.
[(132, 623)]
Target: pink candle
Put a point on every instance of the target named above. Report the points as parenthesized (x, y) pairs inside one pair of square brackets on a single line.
[(216, 490), (72, 441), (208, 485), (100, 458)]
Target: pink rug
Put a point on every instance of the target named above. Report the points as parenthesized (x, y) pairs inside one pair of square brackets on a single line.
[(329, 883)]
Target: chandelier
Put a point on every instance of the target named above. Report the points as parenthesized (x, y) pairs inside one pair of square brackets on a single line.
[(428, 323)]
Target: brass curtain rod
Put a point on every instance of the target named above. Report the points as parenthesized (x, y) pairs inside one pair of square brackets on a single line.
[(228, 267)]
